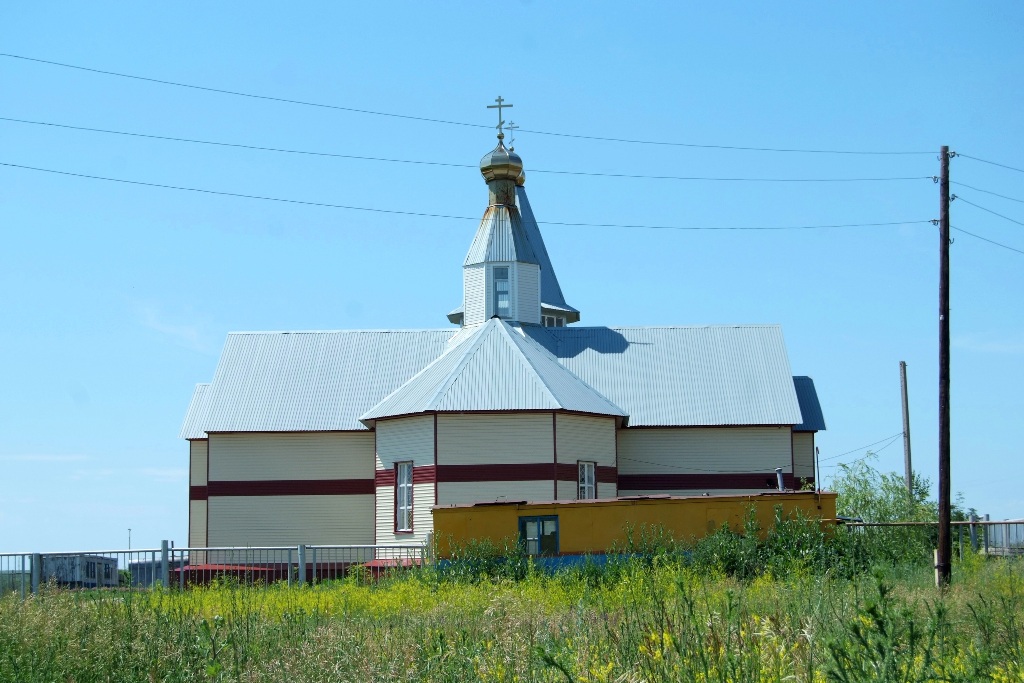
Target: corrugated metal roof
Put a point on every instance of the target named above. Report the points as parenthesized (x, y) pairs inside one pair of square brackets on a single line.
[(312, 381), (663, 376), (494, 368), (550, 290), (192, 427), (500, 237), (810, 408), (659, 376)]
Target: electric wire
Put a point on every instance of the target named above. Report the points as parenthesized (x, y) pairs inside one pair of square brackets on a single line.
[(985, 239), (425, 119), (437, 215), (854, 450), (978, 189), (216, 143), (985, 161), (978, 206)]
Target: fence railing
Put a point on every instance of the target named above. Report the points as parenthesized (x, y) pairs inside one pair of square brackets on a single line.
[(172, 567), (997, 538)]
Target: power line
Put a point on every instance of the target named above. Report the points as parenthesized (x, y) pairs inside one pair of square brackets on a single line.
[(355, 110), (985, 161), (451, 165), (998, 244), (833, 457), (978, 189), (978, 206), (435, 215)]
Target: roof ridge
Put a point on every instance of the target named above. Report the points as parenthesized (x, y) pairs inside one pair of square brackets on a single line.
[(507, 329), (474, 342)]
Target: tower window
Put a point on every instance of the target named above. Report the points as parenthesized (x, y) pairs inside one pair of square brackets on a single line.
[(554, 321), (501, 292)]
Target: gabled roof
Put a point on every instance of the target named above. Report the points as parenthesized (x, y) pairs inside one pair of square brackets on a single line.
[(693, 376), (810, 408), (496, 368), (192, 428), (659, 376), (310, 381), (500, 237)]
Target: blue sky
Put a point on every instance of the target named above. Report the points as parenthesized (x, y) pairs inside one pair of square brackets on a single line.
[(117, 298)]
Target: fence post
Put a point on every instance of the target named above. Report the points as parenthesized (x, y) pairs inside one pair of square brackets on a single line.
[(302, 564), (984, 534), (974, 533), (165, 574), (37, 571), (289, 572)]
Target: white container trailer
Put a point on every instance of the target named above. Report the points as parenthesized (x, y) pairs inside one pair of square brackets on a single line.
[(80, 571)]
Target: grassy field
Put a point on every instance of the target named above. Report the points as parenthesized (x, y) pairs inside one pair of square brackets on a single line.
[(654, 620)]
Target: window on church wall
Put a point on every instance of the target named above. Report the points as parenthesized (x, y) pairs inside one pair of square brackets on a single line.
[(587, 489), (553, 321), (403, 496), (502, 304)]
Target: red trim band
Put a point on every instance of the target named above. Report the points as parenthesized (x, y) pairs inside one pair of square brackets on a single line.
[(197, 493), (428, 474), (292, 487)]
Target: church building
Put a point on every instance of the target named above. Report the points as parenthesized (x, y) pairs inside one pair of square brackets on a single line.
[(352, 436)]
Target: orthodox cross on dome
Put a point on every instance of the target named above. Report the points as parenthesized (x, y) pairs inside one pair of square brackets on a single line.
[(512, 131), (501, 122)]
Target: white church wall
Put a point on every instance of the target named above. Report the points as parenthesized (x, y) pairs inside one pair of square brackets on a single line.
[(586, 438), (458, 493), (475, 294), (697, 460), (289, 456), (527, 289), (290, 520), (803, 455), (567, 490), (405, 439), (198, 452), (494, 438), (290, 488)]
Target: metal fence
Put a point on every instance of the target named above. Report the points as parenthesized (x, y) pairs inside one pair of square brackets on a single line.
[(171, 567), (1003, 538)]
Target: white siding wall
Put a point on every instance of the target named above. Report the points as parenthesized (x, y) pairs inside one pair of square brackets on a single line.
[(402, 440), (198, 452), (474, 294), (608, 490), (567, 490), (314, 455), (527, 293), (586, 438), (422, 520), (698, 450), (290, 520), (451, 493), (488, 439), (197, 523), (803, 454)]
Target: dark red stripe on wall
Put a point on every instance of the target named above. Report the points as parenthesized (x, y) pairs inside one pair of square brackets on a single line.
[(732, 480), (291, 487), (197, 493), (607, 475), (420, 475)]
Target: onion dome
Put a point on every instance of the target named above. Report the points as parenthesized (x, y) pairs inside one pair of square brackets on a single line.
[(501, 163), (521, 179)]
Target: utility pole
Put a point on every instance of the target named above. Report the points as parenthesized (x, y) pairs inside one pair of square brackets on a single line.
[(943, 568), (908, 470)]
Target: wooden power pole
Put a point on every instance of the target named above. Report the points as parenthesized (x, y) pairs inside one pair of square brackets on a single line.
[(943, 568), (908, 470)]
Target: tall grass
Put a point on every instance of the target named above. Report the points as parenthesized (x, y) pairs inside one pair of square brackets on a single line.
[(653, 618)]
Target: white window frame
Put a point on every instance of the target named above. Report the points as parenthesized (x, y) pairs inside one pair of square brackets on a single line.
[(403, 497), (508, 292), (586, 480), (553, 321)]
